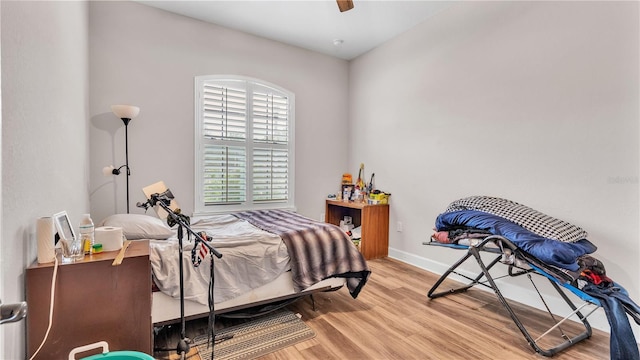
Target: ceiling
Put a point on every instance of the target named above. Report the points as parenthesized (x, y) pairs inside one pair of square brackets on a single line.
[(316, 25)]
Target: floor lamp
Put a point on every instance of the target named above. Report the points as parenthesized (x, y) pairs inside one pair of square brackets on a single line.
[(125, 113)]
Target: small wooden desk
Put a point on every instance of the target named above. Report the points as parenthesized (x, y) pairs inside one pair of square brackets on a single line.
[(94, 301), (374, 220)]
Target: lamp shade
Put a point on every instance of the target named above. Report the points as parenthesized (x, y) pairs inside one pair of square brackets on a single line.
[(108, 170), (125, 111)]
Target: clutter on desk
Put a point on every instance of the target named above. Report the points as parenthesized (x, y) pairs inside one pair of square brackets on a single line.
[(96, 248), (378, 197), (360, 185), (347, 187), (347, 179), (370, 185), (347, 192), (351, 191), (87, 233), (361, 191)]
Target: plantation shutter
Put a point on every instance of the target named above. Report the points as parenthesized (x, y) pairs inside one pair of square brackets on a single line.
[(244, 156), (270, 128), (270, 174), (225, 178), (270, 118), (224, 112), (224, 118)]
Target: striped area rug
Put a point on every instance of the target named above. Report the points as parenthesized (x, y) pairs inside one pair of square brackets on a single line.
[(256, 338)]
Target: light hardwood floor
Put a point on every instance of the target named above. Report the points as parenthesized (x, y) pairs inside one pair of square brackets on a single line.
[(393, 319)]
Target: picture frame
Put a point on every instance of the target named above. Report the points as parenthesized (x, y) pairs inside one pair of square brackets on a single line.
[(63, 226)]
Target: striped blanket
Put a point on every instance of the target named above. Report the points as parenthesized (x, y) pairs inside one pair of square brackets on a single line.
[(317, 250)]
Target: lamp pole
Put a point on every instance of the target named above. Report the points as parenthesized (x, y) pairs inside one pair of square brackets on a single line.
[(126, 154), (125, 113)]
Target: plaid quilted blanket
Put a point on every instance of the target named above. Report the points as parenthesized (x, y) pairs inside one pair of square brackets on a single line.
[(317, 250), (530, 219)]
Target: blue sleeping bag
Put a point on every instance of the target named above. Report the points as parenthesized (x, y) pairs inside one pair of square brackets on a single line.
[(552, 252)]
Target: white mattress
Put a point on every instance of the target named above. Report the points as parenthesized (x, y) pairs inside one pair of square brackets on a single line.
[(166, 309)]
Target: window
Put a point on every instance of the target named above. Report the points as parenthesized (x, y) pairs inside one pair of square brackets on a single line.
[(244, 144)]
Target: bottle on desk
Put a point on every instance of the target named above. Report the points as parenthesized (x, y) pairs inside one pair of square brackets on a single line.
[(87, 233)]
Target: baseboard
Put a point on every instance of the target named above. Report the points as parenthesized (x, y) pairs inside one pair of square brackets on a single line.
[(521, 294)]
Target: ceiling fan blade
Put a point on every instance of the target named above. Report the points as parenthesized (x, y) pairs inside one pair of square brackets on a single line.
[(345, 5)]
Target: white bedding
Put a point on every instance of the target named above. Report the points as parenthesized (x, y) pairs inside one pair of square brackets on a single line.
[(250, 258)]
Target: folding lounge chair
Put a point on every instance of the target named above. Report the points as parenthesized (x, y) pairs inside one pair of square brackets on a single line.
[(520, 263)]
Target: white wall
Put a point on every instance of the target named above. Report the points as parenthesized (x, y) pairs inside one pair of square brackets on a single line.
[(148, 57), (44, 134), (536, 102), (542, 99)]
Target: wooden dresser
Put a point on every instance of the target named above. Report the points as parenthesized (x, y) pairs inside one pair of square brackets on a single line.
[(94, 301)]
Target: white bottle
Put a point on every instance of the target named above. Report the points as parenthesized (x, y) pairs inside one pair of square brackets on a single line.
[(87, 234)]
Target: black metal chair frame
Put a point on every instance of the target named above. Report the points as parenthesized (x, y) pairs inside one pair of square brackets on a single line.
[(486, 279)]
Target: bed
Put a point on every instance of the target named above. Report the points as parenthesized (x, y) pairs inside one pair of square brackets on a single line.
[(534, 245), (268, 256)]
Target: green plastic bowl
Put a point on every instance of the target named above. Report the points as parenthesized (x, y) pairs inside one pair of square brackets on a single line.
[(120, 355)]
